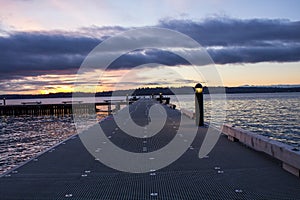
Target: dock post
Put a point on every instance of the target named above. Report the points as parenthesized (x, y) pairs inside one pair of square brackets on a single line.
[(127, 100), (109, 108), (118, 106), (4, 101), (160, 97), (168, 101), (199, 110)]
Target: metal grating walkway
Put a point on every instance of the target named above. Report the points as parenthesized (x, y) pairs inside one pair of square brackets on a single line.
[(231, 171)]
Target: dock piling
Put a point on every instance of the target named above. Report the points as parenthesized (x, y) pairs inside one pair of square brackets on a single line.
[(160, 97)]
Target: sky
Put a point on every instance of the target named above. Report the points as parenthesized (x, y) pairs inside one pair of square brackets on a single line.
[(44, 43)]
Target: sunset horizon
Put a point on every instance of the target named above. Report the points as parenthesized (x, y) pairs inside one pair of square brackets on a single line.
[(43, 51), (149, 99)]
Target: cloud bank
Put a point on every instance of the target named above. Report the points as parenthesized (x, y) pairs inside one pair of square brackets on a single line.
[(244, 41), (226, 40)]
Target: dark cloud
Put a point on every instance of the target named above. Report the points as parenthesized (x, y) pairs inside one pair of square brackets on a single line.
[(39, 53), (235, 32), (140, 57), (244, 41), (227, 41), (254, 54)]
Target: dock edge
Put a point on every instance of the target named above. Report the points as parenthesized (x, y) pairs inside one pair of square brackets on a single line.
[(289, 156)]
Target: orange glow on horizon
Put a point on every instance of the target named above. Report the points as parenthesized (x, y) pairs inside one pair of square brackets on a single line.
[(260, 74), (58, 89)]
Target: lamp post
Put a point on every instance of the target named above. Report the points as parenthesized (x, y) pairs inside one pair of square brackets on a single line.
[(199, 110), (160, 97)]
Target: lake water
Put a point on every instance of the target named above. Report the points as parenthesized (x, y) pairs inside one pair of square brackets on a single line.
[(275, 115)]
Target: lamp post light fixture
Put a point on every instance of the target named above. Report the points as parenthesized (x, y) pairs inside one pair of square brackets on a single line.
[(199, 108)]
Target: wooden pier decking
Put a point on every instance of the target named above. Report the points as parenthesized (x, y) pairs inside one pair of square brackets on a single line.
[(230, 171)]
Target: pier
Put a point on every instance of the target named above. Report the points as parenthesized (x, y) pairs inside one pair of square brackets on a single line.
[(231, 170), (65, 108), (35, 108)]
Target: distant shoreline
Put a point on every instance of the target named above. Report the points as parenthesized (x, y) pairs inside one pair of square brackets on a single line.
[(156, 91)]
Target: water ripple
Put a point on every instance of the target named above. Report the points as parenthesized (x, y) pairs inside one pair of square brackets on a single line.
[(275, 115)]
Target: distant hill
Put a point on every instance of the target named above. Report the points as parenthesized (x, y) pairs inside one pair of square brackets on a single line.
[(164, 91)]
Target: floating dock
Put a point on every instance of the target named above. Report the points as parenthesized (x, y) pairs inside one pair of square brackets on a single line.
[(230, 171)]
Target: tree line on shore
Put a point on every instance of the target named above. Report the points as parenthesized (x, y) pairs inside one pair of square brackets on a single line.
[(156, 91)]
